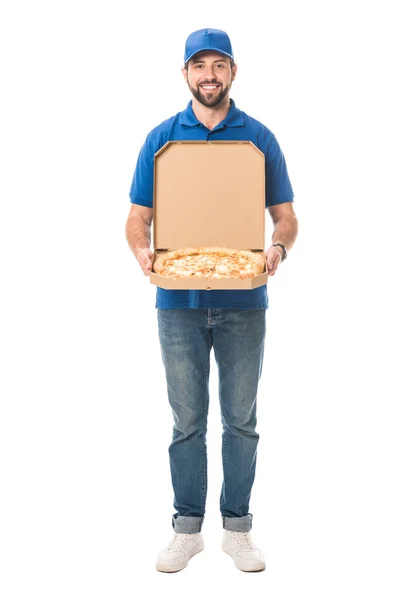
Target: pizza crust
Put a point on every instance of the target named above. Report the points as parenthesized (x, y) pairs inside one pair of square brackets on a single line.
[(210, 262)]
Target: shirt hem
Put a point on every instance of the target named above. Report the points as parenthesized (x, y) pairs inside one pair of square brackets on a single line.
[(215, 305), (140, 202), (281, 201)]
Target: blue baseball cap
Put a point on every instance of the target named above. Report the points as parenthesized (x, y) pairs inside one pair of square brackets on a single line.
[(208, 39)]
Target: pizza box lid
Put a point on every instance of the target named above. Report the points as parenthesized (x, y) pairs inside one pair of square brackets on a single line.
[(209, 194)]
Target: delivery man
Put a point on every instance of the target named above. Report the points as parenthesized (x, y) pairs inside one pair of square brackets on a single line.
[(232, 322)]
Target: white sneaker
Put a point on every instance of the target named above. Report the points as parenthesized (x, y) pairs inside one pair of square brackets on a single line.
[(246, 555), (179, 551)]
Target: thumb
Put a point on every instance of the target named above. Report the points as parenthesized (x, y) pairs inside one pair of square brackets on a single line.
[(147, 258)]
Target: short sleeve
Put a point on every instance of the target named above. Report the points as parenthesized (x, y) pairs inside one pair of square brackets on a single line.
[(278, 186), (141, 191)]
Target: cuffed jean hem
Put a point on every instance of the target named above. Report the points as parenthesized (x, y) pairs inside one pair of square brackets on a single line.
[(187, 524), (237, 523)]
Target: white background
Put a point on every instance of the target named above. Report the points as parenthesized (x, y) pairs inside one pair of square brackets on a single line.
[(86, 499)]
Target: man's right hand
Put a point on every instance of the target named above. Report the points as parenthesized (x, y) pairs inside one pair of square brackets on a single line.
[(144, 257)]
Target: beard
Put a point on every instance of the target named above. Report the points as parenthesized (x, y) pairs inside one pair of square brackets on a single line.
[(210, 99)]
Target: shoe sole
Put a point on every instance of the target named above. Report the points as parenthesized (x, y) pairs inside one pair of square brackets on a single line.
[(178, 567), (245, 567)]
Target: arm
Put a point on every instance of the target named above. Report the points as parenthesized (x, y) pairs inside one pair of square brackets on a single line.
[(285, 232), (138, 235)]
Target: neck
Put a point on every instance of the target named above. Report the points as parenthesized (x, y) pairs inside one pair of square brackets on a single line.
[(211, 116)]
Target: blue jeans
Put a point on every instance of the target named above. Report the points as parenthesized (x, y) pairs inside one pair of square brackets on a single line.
[(186, 337)]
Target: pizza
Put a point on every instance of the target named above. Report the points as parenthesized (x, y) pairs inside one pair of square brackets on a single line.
[(210, 262)]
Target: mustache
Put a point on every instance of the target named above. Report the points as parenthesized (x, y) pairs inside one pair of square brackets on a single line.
[(210, 82)]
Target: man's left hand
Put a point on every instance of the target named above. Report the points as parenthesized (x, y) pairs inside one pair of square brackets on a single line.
[(273, 257)]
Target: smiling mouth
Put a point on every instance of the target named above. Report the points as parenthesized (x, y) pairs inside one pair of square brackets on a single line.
[(210, 87)]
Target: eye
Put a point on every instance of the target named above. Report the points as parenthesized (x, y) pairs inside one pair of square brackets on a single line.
[(220, 66), (198, 66)]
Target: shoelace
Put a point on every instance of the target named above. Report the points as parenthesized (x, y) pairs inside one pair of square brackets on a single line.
[(177, 541), (244, 540)]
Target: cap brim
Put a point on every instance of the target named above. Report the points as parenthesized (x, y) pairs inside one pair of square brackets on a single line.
[(208, 49)]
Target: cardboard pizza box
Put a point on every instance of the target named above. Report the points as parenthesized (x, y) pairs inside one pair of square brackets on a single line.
[(208, 194)]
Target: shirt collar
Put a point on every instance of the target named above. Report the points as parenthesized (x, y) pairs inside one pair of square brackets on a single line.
[(234, 118)]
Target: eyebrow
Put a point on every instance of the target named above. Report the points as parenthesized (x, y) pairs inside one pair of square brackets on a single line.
[(195, 61)]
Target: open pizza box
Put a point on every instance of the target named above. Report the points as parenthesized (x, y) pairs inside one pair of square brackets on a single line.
[(208, 194)]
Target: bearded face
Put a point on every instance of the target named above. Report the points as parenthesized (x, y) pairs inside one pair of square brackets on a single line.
[(209, 77)]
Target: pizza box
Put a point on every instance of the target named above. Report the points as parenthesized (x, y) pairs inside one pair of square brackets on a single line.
[(208, 194)]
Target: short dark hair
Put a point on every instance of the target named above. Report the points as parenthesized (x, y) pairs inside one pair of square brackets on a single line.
[(233, 64)]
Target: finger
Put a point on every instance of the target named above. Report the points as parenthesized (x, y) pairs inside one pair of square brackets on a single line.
[(146, 268), (145, 262), (270, 263), (274, 266)]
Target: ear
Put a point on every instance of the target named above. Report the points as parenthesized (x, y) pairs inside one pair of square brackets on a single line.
[(234, 71), (184, 73)]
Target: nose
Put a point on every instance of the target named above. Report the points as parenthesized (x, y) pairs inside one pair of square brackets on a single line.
[(208, 72)]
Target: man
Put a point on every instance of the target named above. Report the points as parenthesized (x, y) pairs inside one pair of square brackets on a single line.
[(191, 322)]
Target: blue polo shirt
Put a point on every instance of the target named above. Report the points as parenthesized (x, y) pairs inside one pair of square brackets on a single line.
[(236, 126)]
